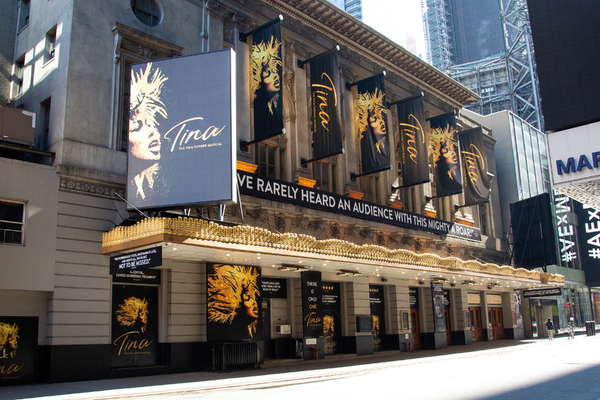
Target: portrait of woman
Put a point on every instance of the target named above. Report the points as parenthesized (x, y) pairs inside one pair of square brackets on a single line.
[(443, 149), (144, 138), (266, 75), (371, 114), (233, 302)]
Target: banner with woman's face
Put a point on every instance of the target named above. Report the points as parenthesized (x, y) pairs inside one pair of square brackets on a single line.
[(234, 302), (182, 131), (267, 70), (371, 113), (445, 154)]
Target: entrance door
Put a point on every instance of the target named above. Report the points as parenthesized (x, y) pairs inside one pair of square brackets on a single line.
[(266, 325), (476, 329), (448, 329), (414, 318), (497, 325)]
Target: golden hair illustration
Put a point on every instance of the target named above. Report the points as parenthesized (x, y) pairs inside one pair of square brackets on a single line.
[(8, 335), (230, 289), (266, 61), (376, 324), (328, 325), (371, 110), (442, 138), (145, 102), (131, 310)]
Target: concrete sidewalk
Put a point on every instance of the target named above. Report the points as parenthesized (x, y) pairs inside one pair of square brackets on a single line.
[(272, 373)]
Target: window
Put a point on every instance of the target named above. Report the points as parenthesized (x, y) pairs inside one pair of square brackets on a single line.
[(50, 44), (23, 14), (322, 174), (11, 222), (483, 223), (18, 77), (44, 140), (266, 160), (147, 11)]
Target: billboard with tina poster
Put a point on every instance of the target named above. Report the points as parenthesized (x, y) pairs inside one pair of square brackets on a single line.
[(234, 303), (182, 131)]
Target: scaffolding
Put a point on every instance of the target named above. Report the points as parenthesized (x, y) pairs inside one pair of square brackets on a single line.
[(438, 33), (507, 81)]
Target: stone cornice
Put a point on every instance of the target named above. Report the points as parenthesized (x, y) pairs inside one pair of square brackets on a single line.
[(359, 37)]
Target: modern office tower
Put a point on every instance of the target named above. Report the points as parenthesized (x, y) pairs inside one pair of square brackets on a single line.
[(486, 45), (352, 7)]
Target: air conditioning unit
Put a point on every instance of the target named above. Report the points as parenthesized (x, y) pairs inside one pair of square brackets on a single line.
[(283, 329)]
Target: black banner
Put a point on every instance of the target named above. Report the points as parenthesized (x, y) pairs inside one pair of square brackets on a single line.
[(372, 125), (18, 350), (589, 241), (332, 322), (136, 261), (378, 315), (326, 108), (312, 306), (234, 303), (556, 291), (181, 147), (267, 73), (274, 288), (439, 314), (134, 326), (472, 152), (443, 148), (413, 141), (276, 190)]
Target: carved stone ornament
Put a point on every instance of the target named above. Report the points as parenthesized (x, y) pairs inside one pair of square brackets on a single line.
[(263, 215), (335, 231), (304, 222), (281, 225), (91, 188), (143, 44), (322, 225), (217, 10)]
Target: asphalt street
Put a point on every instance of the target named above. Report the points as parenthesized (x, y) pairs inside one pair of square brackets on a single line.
[(532, 369)]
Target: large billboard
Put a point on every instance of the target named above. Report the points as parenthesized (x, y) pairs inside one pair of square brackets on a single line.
[(565, 35), (182, 131)]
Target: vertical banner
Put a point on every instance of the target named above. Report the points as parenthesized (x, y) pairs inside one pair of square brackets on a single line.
[(589, 241), (565, 228), (266, 81), (472, 152), (134, 326), (378, 315), (18, 350), (439, 314), (326, 108), (332, 322), (371, 113), (443, 148), (413, 141), (312, 306), (234, 303)]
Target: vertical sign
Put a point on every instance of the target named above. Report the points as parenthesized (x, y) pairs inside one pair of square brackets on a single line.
[(326, 109), (413, 296), (472, 152), (134, 326), (565, 229), (312, 306), (266, 81), (18, 350), (372, 125), (589, 242), (233, 302), (413, 141), (378, 314), (443, 148), (332, 323), (439, 314)]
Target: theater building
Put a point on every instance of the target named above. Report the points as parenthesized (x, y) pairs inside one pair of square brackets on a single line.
[(196, 185)]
